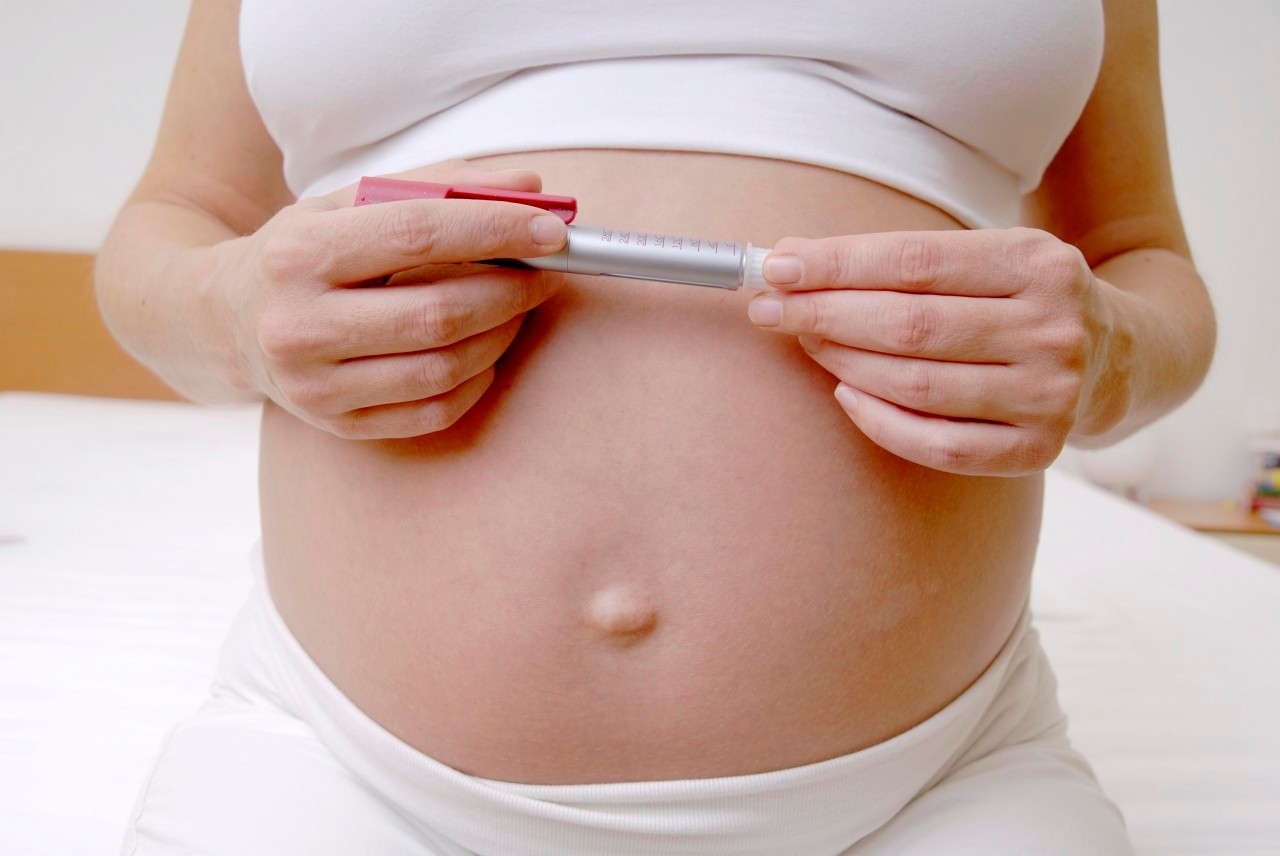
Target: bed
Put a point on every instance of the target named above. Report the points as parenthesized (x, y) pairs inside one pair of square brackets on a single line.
[(125, 528), (126, 525)]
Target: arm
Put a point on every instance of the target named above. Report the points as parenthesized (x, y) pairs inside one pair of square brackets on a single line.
[(214, 176), (984, 352), (1109, 192), (217, 280)]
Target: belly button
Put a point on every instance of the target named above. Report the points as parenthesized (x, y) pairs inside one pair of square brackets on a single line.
[(621, 612)]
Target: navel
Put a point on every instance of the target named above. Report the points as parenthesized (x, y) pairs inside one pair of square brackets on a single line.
[(621, 612)]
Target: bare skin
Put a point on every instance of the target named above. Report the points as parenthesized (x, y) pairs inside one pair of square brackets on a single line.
[(655, 548), (648, 543)]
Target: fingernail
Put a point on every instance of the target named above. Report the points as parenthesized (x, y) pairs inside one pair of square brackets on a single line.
[(845, 395), (765, 311), (783, 269), (809, 343), (547, 229)]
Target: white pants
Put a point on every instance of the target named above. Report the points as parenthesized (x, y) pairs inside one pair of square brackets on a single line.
[(278, 761)]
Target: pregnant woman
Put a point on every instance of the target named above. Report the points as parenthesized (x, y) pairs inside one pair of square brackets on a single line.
[(562, 564)]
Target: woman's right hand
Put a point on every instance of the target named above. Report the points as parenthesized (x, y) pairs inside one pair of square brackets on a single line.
[(400, 359)]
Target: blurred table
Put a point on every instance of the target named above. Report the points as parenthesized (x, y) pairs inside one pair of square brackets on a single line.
[(1229, 522)]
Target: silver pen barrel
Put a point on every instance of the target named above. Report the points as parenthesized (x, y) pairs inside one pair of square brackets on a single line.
[(664, 258)]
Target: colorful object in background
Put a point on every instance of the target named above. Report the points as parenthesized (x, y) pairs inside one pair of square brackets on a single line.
[(1264, 492)]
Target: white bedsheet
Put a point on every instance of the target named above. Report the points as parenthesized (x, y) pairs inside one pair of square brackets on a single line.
[(125, 528)]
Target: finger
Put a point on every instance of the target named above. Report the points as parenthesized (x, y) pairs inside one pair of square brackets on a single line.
[(351, 245), (940, 327), (952, 446), (984, 263), (398, 319), (412, 418), (934, 387), (375, 381), (423, 274)]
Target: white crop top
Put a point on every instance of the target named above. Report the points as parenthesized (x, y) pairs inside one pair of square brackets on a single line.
[(961, 103)]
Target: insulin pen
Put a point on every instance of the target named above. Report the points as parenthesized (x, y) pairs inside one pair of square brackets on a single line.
[(730, 265)]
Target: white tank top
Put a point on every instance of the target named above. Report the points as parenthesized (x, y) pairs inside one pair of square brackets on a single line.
[(961, 103)]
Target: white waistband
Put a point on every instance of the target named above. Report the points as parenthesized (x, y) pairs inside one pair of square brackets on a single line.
[(814, 809)]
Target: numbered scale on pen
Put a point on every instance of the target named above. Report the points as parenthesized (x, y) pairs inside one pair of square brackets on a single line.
[(663, 258)]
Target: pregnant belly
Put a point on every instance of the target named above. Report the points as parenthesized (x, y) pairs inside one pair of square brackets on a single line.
[(656, 548)]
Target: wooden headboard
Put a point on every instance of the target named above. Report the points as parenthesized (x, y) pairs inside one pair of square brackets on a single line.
[(52, 337)]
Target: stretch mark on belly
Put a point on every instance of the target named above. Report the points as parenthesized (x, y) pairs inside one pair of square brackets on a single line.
[(621, 613)]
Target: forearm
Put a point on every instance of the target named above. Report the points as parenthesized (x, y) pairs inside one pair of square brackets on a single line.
[(160, 279), (1159, 350)]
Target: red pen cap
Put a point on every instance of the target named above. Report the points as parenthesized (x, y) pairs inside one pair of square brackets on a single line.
[(373, 189)]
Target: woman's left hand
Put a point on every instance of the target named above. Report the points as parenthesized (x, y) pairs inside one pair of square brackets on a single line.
[(971, 352)]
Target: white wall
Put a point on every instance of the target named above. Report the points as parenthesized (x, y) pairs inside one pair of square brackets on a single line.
[(83, 85), (81, 90)]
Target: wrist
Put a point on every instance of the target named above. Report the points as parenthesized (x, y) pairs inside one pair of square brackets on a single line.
[(1108, 395), (218, 288)]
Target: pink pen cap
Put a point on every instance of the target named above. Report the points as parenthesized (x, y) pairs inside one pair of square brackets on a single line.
[(373, 189), (730, 265)]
